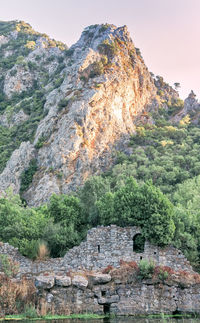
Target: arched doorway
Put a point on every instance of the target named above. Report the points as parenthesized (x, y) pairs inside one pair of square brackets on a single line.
[(138, 243)]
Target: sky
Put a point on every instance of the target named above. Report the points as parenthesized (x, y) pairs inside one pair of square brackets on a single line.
[(166, 31)]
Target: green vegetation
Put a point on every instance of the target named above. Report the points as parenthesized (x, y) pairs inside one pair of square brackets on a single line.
[(168, 155), (27, 176), (156, 186), (11, 138), (108, 48), (8, 266), (35, 317), (97, 69), (141, 205), (146, 269)]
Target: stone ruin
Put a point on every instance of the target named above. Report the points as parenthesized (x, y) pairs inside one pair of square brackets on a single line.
[(103, 246), (83, 280), (108, 245)]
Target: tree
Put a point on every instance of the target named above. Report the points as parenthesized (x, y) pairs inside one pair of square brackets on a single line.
[(177, 85), (20, 226), (140, 205)]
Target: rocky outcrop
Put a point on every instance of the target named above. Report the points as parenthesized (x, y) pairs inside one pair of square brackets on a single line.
[(10, 119), (191, 108), (19, 161), (103, 88)]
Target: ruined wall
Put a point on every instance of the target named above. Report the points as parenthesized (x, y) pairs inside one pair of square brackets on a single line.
[(103, 246), (108, 245), (120, 294), (77, 283)]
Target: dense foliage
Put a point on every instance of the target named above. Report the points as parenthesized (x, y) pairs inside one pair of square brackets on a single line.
[(164, 159)]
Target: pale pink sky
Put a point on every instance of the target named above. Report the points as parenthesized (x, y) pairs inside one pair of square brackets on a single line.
[(166, 31)]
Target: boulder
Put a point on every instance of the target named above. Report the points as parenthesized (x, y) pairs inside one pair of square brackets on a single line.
[(80, 281), (44, 282), (99, 278), (63, 281), (108, 300)]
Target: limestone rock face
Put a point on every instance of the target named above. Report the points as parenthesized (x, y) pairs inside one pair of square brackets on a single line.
[(9, 119), (19, 161), (100, 113), (191, 108), (94, 95)]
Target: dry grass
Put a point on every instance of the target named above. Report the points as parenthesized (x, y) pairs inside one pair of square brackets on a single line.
[(43, 251), (15, 294)]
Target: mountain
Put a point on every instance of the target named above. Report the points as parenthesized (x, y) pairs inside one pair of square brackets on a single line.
[(65, 112)]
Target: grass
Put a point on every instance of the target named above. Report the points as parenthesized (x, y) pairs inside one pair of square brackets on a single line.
[(20, 317), (88, 316)]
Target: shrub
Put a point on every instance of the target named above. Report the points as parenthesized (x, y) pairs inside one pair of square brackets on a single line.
[(30, 311), (104, 60), (107, 48), (104, 27), (29, 248), (27, 176), (63, 104), (69, 52), (41, 142), (146, 269), (163, 275), (30, 44), (8, 266), (13, 72), (97, 69)]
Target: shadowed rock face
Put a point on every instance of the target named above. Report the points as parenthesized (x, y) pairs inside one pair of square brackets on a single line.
[(105, 89)]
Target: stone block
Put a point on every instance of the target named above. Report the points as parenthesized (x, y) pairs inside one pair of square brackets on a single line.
[(80, 281), (44, 282), (63, 281), (99, 278)]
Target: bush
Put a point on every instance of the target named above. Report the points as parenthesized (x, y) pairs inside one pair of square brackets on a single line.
[(41, 142), (146, 269), (97, 69), (29, 248), (30, 312), (108, 49), (8, 266), (63, 103), (27, 176), (15, 296), (163, 275)]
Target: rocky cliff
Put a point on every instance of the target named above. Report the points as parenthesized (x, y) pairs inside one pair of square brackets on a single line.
[(69, 110)]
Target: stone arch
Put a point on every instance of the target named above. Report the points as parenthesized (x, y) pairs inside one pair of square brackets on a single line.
[(138, 243)]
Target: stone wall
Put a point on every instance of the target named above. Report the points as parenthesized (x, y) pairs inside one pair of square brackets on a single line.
[(103, 246), (108, 245), (77, 283), (119, 294)]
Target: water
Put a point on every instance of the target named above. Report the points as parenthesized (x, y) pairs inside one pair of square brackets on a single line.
[(121, 320)]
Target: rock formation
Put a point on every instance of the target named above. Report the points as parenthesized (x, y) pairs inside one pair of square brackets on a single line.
[(93, 95)]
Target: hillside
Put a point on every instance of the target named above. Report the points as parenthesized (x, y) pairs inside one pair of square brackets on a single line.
[(65, 112), (90, 123)]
